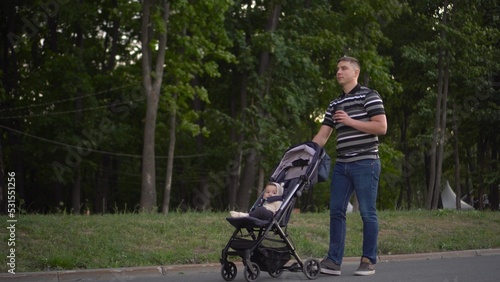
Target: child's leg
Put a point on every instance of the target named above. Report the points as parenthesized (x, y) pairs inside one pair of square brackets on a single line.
[(261, 213)]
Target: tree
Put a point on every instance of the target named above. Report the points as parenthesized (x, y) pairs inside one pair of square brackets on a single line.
[(198, 41), (438, 136), (286, 72), (242, 80), (460, 72), (152, 72)]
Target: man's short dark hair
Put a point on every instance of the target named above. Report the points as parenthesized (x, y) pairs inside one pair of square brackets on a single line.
[(351, 60)]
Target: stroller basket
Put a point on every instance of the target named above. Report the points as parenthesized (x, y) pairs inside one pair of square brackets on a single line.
[(272, 254), (271, 259)]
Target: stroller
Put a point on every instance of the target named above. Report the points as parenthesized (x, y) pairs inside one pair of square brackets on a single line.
[(265, 245)]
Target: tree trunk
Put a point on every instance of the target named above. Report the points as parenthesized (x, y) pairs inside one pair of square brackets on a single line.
[(409, 193), (435, 139), (495, 187), (152, 87), (102, 188), (234, 177), (470, 167), (114, 39), (170, 158), (148, 191), (481, 163), (237, 138), (75, 193), (252, 156), (442, 136), (203, 197), (438, 130), (262, 181), (247, 182), (272, 24), (406, 184), (456, 153)]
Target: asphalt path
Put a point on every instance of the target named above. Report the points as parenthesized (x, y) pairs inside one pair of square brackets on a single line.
[(479, 265)]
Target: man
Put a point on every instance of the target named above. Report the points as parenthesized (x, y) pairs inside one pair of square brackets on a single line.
[(358, 115)]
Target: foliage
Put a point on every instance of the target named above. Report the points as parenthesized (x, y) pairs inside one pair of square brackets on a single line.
[(72, 106)]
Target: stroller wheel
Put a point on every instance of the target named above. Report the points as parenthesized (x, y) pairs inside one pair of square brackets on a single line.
[(276, 273), (252, 272), (311, 268), (228, 271)]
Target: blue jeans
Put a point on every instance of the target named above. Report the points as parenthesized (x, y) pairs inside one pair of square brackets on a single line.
[(361, 177)]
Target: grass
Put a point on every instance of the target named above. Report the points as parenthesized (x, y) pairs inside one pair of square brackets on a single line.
[(55, 242)]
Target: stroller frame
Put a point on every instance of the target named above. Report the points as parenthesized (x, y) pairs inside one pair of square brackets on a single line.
[(256, 230)]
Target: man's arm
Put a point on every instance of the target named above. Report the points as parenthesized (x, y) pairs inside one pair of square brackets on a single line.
[(376, 126), (323, 134)]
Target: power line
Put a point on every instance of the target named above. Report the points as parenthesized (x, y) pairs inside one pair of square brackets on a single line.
[(68, 112), (64, 100), (89, 149)]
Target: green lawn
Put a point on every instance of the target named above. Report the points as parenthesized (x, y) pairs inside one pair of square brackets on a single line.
[(50, 242)]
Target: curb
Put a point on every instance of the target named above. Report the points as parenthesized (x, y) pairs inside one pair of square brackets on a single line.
[(117, 273), (440, 255)]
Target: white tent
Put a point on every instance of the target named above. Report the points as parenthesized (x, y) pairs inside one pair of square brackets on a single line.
[(449, 199), (349, 207)]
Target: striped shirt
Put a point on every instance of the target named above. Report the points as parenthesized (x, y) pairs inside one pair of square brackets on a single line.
[(361, 103)]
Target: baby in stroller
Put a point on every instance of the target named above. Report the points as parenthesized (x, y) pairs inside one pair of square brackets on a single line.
[(269, 203), (265, 244)]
